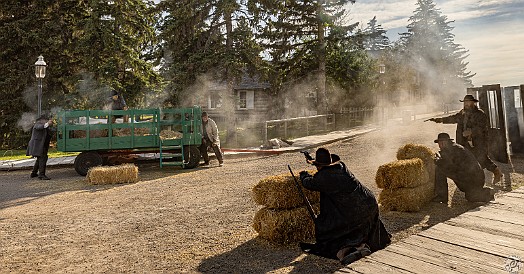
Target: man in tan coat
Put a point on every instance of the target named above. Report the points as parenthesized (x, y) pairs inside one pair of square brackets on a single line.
[(210, 139)]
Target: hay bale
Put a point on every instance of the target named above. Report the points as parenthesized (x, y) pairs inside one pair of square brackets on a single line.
[(121, 174), (406, 199), (402, 173), (167, 134), (284, 226), (410, 151), (280, 192)]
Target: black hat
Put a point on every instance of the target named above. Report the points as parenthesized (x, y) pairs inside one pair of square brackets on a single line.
[(469, 97), (42, 117), (443, 137), (204, 114), (114, 92), (323, 158)]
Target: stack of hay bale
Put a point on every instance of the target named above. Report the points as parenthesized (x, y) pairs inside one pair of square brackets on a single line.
[(121, 174), (284, 218), (407, 183)]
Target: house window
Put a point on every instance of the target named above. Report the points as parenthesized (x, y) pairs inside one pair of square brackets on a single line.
[(215, 101), (242, 99), (246, 99)]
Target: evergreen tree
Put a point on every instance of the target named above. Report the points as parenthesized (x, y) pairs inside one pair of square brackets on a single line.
[(201, 37), (429, 45), (374, 36), (95, 41), (296, 35)]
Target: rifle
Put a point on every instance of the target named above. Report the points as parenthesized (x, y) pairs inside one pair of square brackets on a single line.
[(306, 201)]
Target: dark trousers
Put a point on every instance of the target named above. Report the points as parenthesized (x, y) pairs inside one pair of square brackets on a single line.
[(481, 153), (471, 184), (216, 149), (40, 165)]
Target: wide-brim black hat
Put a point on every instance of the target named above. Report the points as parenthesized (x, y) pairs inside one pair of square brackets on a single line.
[(323, 158), (469, 97), (42, 117), (443, 137)]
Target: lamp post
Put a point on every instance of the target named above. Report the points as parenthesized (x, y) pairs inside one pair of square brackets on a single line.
[(40, 67), (381, 71)]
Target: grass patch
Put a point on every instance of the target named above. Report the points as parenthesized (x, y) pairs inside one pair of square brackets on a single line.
[(20, 154)]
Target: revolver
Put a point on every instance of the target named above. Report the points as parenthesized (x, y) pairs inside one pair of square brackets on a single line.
[(307, 155)]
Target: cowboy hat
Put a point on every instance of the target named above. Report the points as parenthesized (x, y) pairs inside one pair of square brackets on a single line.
[(323, 158), (469, 97), (443, 137)]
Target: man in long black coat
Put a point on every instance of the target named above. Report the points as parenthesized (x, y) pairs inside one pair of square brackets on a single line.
[(460, 165), (348, 226), (39, 145), (472, 133)]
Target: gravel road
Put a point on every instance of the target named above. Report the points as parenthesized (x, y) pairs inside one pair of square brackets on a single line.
[(196, 221)]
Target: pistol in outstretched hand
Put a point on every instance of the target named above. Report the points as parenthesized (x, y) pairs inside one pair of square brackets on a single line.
[(307, 155)]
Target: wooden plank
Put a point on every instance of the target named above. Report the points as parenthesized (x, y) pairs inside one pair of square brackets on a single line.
[(410, 264), (509, 207), (478, 240), (519, 190), (366, 265), (491, 226), (517, 195), (462, 256), (509, 203), (448, 260), (497, 214)]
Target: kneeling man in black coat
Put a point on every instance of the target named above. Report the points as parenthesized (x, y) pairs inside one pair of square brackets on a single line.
[(348, 226)]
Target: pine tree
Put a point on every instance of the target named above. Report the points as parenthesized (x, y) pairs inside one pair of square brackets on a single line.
[(429, 44), (96, 41), (210, 38), (296, 35)]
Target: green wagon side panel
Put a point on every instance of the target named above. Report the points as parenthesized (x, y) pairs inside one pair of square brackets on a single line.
[(85, 130)]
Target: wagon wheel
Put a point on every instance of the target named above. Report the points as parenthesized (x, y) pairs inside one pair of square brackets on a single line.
[(86, 160), (191, 156)]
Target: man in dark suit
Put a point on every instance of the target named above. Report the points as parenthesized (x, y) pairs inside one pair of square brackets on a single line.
[(39, 145)]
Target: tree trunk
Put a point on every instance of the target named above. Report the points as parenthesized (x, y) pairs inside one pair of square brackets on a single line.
[(322, 106)]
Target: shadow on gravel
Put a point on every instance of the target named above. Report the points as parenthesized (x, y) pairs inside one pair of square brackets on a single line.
[(17, 188), (257, 256)]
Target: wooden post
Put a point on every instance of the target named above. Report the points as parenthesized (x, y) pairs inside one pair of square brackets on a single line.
[(285, 129), (265, 132)]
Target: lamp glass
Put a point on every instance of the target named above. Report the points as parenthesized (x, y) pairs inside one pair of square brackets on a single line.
[(40, 66)]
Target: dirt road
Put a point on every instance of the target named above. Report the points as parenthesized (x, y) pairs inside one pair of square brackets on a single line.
[(193, 221)]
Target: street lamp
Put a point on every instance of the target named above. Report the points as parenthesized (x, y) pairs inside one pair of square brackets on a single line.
[(381, 68), (40, 66)]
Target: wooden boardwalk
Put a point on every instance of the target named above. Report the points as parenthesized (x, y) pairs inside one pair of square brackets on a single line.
[(488, 239)]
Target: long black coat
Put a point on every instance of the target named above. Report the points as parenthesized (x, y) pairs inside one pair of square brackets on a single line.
[(40, 139), (474, 119), (349, 213)]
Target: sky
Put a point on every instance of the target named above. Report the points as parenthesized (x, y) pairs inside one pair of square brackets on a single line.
[(492, 31)]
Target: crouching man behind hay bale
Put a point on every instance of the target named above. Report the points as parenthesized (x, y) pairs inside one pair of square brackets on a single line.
[(348, 226), (460, 165)]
